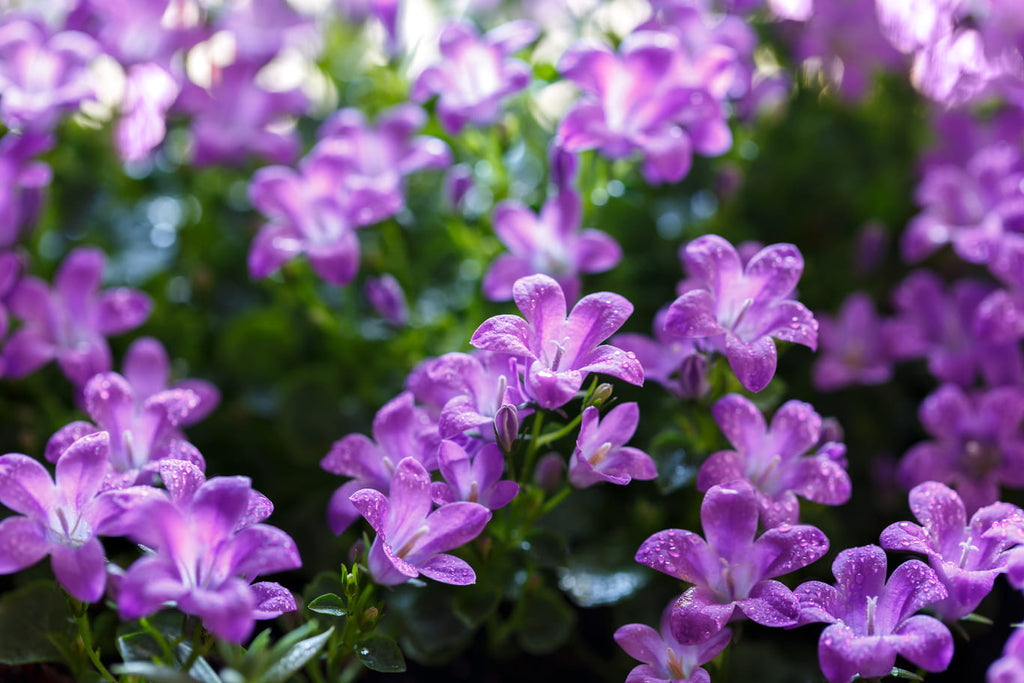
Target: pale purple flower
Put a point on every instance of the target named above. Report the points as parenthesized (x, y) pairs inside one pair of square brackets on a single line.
[(676, 364), (22, 179), (476, 74), (71, 321), (560, 351), (140, 31), (966, 557), (775, 459), (206, 559), (142, 431), (411, 540), (731, 571), (978, 443), (601, 454), (63, 519), (648, 98), (550, 243), (1010, 667), (871, 620), (400, 431), (373, 161), (388, 299), (307, 216), (664, 659), (42, 76), (476, 479), (737, 309), (149, 92), (853, 347)]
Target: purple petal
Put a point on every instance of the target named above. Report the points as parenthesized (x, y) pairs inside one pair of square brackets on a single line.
[(26, 351), (713, 261), (641, 642), (913, 585), (692, 316), (82, 571), (741, 422), (82, 467), (542, 303), (65, 436), (697, 616), (720, 468), (771, 604), (504, 334), (679, 553), (449, 527), (754, 363), (843, 654), (227, 611), (272, 600), (410, 500), (23, 541), (729, 517), (926, 642), (448, 569), (778, 267), (122, 309), (26, 486), (786, 548), (146, 367), (146, 586), (273, 246)]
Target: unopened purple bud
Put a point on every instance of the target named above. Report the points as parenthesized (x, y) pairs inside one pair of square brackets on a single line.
[(458, 180), (693, 376), (506, 427), (388, 299), (548, 474), (563, 165), (602, 392)]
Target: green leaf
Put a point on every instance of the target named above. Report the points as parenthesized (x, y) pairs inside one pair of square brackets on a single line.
[(201, 669), (545, 622), (328, 603), (25, 641), (903, 673), (473, 605), (138, 647), (296, 657), (158, 673), (381, 653)]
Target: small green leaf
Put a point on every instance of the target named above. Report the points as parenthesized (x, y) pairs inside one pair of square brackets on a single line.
[(25, 641), (903, 673), (545, 622), (328, 603), (296, 657), (382, 654), (977, 619)]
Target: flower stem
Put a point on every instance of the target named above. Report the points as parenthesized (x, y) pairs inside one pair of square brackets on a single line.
[(531, 451), (85, 633)]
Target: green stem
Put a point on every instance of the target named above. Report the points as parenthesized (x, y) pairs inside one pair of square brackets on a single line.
[(85, 633), (554, 500), (556, 435), (199, 648), (159, 638), (531, 451)]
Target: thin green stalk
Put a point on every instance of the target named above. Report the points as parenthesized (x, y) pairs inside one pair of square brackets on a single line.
[(531, 451), (556, 435), (159, 638), (85, 633)]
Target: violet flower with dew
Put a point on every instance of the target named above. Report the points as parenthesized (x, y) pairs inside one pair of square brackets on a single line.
[(737, 309), (601, 454), (476, 479), (731, 571), (411, 539), (664, 659), (872, 620), (560, 351)]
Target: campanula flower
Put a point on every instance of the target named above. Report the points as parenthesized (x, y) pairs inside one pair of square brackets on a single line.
[(664, 659), (601, 454), (476, 479), (853, 347)]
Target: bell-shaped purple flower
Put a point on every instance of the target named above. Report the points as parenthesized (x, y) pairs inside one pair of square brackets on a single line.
[(71, 321), (731, 570), (773, 458), (476, 479), (411, 539), (560, 351), (664, 659), (853, 347), (400, 431), (978, 444), (476, 73), (737, 309), (551, 243), (872, 620), (601, 454), (966, 557), (63, 519)]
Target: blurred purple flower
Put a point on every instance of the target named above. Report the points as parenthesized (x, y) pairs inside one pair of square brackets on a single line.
[(144, 31), (387, 298), (400, 431), (42, 76), (737, 309), (1010, 667), (772, 459), (551, 243), (601, 454), (560, 351), (664, 659), (71, 321), (966, 557), (150, 90), (22, 179), (373, 161), (476, 73), (978, 443), (63, 520), (731, 570), (475, 479), (853, 347), (674, 363), (411, 539), (871, 620)]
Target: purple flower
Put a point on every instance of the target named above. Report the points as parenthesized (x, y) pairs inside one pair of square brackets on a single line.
[(966, 557), (62, 520), (853, 347), (22, 179), (674, 363), (411, 539), (476, 73), (387, 298), (601, 454), (772, 459), (477, 479), (142, 432), (551, 243), (147, 369), (664, 659), (42, 76), (731, 570), (206, 558), (372, 162), (1010, 667), (71, 321), (978, 443), (560, 351), (141, 31), (400, 431), (871, 620), (150, 90), (738, 309), (649, 98)]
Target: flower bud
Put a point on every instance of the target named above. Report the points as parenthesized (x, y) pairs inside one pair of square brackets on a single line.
[(548, 474), (388, 299), (693, 376), (506, 427), (601, 394)]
